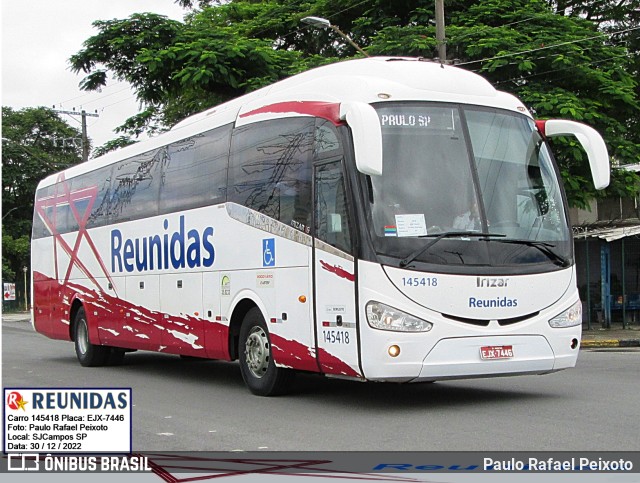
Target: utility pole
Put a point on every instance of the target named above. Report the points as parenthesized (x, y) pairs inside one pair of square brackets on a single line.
[(85, 138), (440, 37), (26, 302)]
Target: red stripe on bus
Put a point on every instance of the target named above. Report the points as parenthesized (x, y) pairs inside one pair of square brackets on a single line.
[(325, 110)]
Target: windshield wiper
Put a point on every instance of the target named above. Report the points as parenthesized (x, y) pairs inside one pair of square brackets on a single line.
[(544, 248), (440, 236)]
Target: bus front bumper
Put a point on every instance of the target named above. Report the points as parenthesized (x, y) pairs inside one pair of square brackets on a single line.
[(473, 357)]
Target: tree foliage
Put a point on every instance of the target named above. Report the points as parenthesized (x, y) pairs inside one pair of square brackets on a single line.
[(35, 143), (564, 59), (113, 145)]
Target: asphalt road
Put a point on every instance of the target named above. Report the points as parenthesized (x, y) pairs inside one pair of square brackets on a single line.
[(203, 405)]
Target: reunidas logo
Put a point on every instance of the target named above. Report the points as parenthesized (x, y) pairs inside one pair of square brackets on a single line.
[(15, 401), (179, 249)]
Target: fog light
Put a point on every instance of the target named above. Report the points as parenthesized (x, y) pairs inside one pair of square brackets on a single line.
[(394, 351)]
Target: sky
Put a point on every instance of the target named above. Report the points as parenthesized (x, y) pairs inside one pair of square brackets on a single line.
[(39, 36)]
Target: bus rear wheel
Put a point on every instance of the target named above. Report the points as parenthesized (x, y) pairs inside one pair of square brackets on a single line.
[(89, 355), (258, 369)]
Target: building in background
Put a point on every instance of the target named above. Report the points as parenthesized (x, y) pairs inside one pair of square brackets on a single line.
[(607, 247)]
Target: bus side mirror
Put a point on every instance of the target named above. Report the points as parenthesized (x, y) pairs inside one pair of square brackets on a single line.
[(590, 140), (367, 135)]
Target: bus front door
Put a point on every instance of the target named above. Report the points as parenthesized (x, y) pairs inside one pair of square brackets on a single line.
[(334, 273)]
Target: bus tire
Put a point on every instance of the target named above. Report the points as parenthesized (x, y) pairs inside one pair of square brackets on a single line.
[(116, 356), (89, 355), (258, 369)]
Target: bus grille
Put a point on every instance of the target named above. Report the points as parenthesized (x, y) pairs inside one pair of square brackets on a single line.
[(485, 322)]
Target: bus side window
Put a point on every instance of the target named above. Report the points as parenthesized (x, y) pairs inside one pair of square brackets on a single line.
[(195, 174), (43, 211), (96, 183), (332, 217), (270, 169), (135, 186)]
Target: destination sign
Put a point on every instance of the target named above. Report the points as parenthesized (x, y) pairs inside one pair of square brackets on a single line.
[(412, 118), (405, 120)]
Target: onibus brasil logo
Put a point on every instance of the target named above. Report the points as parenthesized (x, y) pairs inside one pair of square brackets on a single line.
[(15, 401)]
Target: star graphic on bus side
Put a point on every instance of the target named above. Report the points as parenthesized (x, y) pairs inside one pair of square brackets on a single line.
[(71, 199)]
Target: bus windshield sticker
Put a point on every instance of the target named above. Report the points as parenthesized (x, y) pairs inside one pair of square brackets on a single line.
[(411, 225)]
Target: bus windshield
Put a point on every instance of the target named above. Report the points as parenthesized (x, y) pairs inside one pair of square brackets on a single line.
[(452, 169)]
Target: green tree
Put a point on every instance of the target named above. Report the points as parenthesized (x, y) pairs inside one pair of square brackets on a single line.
[(563, 67), (564, 59), (35, 143), (181, 68), (113, 145)]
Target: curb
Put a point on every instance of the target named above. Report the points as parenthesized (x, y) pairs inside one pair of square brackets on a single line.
[(591, 344)]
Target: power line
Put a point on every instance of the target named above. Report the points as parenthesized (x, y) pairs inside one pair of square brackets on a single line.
[(92, 92), (463, 63), (550, 46), (101, 98), (536, 59), (458, 37), (28, 149), (595, 62), (118, 102), (85, 137), (257, 35), (553, 56)]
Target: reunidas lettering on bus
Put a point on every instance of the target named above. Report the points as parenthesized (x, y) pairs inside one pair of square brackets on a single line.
[(176, 250)]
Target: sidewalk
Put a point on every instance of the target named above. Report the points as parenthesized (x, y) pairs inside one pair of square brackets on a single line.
[(616, 336), (16, 317), (597, 337)]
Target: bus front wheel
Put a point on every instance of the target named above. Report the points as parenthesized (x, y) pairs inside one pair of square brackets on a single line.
[(258, 369), (89, 355)]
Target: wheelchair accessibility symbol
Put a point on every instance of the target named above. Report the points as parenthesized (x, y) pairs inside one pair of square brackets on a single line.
[(269, 252)]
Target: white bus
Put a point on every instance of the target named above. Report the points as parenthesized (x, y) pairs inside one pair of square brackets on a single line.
[(383, 219)]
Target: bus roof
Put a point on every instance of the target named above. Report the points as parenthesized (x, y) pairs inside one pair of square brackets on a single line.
[(372, 79), (369, 80)]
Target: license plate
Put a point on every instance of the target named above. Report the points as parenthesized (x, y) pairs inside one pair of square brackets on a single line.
[(496, 352)]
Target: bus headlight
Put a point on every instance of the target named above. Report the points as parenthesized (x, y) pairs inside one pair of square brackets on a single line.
[(381, 316), (569, 318)]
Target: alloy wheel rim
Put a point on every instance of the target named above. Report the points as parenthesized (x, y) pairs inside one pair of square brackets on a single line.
[(257, 352), (83, 339)]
